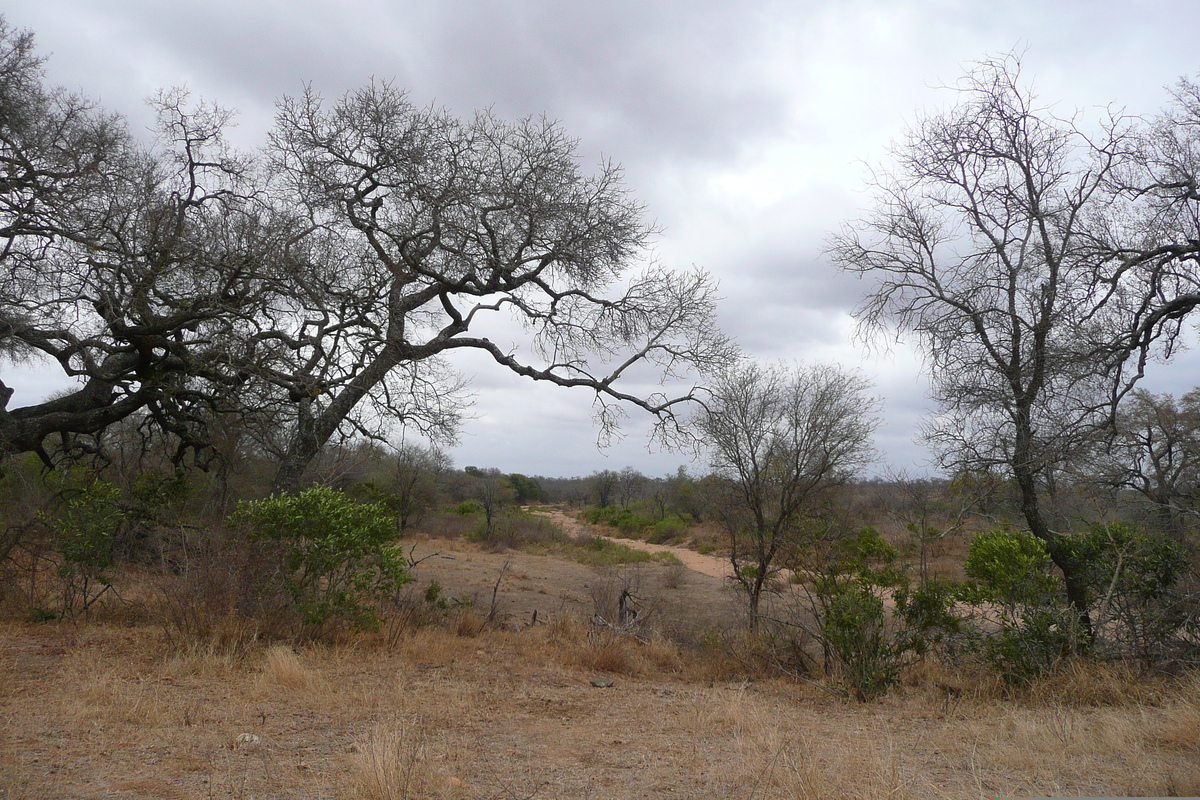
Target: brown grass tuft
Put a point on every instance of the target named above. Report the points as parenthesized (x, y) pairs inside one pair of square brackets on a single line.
[(609, 651), (1081, 683), (661, 654), (282, 666), (779, 760), (470, 621), (433, 645), (392, 764), (1181, 730)]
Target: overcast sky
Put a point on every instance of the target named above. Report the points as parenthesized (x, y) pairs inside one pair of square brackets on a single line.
[(745, 127)]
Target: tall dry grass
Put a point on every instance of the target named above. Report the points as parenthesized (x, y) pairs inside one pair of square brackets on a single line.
[(285, 668), (391, 763), (777, 758)]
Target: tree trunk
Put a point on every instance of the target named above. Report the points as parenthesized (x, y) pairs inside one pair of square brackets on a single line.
[(313, 432), (755, 593), (1073, 579)]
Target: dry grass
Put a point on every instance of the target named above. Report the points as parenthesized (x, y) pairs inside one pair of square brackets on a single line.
[(391, 763), (445, 707), (1181, 728), (283, 667), (778, 757), (105, 711)]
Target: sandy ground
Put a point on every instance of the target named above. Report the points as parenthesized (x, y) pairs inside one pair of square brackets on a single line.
[(712, 566)]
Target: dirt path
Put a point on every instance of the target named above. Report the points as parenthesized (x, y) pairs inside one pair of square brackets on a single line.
[(706, 565)]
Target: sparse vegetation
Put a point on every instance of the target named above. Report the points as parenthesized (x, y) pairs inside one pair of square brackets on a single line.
[(218, 578)]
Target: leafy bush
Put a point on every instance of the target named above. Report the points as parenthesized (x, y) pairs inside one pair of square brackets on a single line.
[(1012, 578), (85, 529), (337, 559), (517, 528), (1140, 583), (607, 515), (841, 585), (602, 552), (630, 522), (855, 631), (468, 507), (1012, 569), (667, 530), (861, 644)]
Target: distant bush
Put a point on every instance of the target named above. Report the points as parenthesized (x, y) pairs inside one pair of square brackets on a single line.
[(631, 522), (600, 552), (666, 530), (518, 528), (448, 525), (337, 559), (468, 507)]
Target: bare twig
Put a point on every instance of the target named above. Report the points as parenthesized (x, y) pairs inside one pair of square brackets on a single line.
[(495, 605), (413, 562)]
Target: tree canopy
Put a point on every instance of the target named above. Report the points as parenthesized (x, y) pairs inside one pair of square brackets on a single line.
[(316, 289)]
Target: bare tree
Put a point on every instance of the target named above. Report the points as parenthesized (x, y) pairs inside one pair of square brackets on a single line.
[(131, 270), (437, 233), (782, 438), (322, 288), (631, 485), (406, 480), (1152, 243), (1154, 450), (983, 246), (494, 493), (603, 485), (929, 509)]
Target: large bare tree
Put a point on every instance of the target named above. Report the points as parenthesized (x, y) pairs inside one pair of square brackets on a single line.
[(986, 245), (128, 269), (781, 438), (1152, 241), (317, 291), (438, 233)]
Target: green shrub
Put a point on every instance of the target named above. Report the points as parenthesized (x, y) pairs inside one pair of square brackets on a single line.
[(928, 612), (601, 552), (630, 522), (1137, 580), (337, 557), (1011, 576), (667, 530), (863, 646), (468, 507), (854, 628), (1021, 653), (85, 529), (1013, 569)]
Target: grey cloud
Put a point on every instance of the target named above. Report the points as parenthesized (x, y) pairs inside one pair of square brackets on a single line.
[(637, 80)]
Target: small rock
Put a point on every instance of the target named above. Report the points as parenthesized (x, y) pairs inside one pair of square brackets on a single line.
[(601, 684)]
